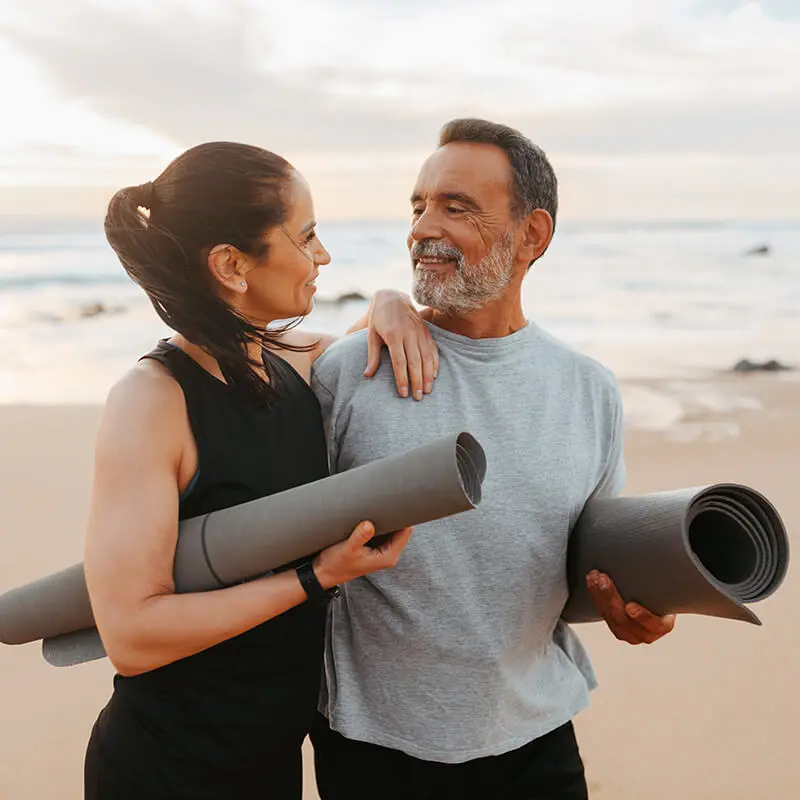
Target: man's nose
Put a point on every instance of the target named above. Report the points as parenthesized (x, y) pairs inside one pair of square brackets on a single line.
[(426, 226)]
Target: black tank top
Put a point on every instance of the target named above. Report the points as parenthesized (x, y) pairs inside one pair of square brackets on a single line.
[(219, 709)]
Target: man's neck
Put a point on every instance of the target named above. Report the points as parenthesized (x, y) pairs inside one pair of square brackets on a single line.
[(497, 319)]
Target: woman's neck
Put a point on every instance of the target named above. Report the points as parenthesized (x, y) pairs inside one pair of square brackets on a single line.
[(209, 363)]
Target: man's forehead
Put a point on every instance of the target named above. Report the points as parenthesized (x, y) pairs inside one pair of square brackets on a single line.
[(466, 167)]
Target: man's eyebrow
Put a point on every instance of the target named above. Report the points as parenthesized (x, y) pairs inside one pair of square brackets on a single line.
[(308, 228), (460, 197), (457, 197)]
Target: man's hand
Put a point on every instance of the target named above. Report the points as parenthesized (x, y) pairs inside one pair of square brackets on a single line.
[(628, 622), (393, 319)]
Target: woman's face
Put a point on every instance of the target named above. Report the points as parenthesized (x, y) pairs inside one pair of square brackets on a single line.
[(283, 285)]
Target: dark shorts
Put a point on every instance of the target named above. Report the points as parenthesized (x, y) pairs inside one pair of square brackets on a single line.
[(548, 768)]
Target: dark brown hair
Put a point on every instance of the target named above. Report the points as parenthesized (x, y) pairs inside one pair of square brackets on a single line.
[(214, 193), (533, 180)]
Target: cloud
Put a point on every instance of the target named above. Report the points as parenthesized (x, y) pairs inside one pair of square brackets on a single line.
[(191, 77), (320, 76), (55, 164), (779, 9), (632, 100)]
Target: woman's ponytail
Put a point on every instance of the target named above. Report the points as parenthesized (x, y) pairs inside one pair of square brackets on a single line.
[(162, 230)]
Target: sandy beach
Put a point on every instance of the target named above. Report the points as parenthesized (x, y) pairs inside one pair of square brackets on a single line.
[(710, 712)]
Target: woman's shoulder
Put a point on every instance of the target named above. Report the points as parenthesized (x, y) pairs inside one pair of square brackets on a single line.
[(316, 343), (145, 398), (311, 346), (145, 382)]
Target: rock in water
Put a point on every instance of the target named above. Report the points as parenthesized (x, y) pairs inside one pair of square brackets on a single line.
[(351, 297), (97, 309), (92, 310), (745, 365)]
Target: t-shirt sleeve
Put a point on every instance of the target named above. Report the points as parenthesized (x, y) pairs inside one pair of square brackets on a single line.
[(612, 480), (321, 380)]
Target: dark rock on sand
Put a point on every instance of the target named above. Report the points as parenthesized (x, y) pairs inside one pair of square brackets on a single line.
[(746, 365)]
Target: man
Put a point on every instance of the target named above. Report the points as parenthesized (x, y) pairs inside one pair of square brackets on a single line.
[(452, 675)]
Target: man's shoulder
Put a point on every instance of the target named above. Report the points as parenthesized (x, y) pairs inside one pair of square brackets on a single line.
[(586, 368), (344, 358)]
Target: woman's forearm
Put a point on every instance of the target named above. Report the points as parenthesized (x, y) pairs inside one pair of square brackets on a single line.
[(167, 627)]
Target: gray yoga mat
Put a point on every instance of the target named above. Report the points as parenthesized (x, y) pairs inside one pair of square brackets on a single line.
[(236, 544), (706, 550)]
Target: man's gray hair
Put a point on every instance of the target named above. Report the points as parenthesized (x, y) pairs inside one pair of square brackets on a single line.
[(534, 183)]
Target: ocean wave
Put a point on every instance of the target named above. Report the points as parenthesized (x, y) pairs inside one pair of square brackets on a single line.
[(33, 283)]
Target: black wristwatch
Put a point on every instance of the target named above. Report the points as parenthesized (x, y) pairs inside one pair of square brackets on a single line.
[(312, 587)]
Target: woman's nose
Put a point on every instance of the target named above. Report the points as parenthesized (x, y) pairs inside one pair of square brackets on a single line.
[(321, 255)]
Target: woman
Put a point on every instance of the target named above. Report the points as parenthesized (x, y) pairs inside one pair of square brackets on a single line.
[(215, 691)]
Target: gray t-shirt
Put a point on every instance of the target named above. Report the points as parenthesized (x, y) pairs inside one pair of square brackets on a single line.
[(458, 652)]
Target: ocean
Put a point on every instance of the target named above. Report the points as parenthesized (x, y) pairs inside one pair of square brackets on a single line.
[(661, 299)]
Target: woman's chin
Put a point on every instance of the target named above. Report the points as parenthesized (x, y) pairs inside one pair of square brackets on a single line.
[(299, 311), (303, 307), (309, 301)]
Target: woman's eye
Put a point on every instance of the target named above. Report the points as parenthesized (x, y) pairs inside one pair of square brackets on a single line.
[(416, 212), (311, 236)]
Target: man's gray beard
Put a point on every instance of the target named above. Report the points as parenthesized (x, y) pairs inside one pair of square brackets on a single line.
[(473, 286)]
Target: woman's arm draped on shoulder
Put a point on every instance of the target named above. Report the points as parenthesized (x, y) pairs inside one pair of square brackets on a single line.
[(132, 533), (393, 320)]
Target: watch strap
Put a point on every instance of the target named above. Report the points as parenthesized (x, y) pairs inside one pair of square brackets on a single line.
[(311, 586)]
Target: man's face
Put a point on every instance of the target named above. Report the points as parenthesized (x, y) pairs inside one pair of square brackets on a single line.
[(462, 232)]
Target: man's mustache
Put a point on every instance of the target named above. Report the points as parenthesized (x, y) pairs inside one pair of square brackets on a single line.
[(432, 249)]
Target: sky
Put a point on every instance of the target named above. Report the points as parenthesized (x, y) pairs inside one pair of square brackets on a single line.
[(676, 109)]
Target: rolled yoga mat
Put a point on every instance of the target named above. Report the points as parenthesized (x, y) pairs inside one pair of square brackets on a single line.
[(236, 544), (706, 550)]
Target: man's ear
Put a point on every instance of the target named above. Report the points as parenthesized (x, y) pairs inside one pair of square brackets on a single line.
[(537, 231), (228, 265)]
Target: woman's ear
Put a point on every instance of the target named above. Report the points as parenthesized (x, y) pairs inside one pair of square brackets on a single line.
[(228, 265), (537, 233)]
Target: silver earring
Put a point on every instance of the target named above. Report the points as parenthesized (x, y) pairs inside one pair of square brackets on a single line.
[(244, 284)]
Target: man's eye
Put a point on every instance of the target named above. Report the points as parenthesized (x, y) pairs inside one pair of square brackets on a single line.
[(416, 212), (311, 236), (454, 210)]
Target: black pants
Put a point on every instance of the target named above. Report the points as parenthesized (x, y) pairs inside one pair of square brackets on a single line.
[(277, 774), (549, 768)]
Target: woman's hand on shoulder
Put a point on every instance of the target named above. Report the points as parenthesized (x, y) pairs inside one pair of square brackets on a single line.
[(394, 320)]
